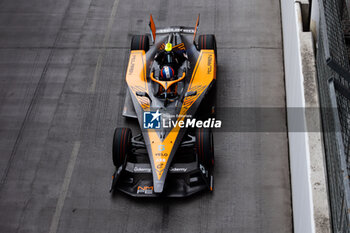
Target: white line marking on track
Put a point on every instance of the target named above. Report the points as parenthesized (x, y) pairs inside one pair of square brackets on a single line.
[(64, 189), (102, 51)]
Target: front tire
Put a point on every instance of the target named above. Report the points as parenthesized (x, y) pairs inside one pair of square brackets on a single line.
[(121, 146), (205, 147), (207, 42)]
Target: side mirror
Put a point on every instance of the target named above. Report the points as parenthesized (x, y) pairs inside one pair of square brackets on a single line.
[(191, 93), (143, 94)]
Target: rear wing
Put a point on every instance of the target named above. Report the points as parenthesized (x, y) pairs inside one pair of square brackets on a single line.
[(195, 29), (187, 30), (152, 27)]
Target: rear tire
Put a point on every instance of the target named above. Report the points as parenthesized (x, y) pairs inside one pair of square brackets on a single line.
[(207, 42), (140, 43), (205, 147), (121, 146)]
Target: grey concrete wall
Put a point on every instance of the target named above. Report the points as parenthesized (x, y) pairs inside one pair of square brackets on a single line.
[(314, 18), (309, 188)]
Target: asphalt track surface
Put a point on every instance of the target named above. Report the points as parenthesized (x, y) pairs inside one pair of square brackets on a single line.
[(62, 67)]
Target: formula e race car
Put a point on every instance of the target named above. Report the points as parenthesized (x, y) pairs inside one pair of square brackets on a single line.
[(171, 91)]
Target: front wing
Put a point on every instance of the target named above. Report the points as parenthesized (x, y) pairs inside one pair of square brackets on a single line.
[(182, 180)]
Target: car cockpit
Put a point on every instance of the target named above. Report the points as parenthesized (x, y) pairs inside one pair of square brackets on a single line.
[(169, 68)]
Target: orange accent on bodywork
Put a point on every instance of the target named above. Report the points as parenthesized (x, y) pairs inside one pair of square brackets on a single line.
[(195, 29), (167, 84), (160, 158), (144, 187), (203, 74), (136, 76), (178, 47), (153, 27)]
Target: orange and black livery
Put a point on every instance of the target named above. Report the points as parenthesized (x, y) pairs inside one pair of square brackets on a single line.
[(170, 79)]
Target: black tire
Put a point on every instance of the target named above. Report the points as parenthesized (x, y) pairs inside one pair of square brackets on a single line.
[(140, 43), (121, 146), (207, 42), (207, 108), (205, 147)]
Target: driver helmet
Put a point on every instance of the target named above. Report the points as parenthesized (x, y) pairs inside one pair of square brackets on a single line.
[(168, 47), (169, 55), (167, 73)]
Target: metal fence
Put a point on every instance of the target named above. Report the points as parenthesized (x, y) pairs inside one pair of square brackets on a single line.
[(334, 79)]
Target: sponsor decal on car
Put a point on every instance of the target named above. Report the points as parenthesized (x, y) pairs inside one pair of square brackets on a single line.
[(132, 64), (210, 60), (167, 30), (178, 169), (142, 169), (161, 147), (144, 189)]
